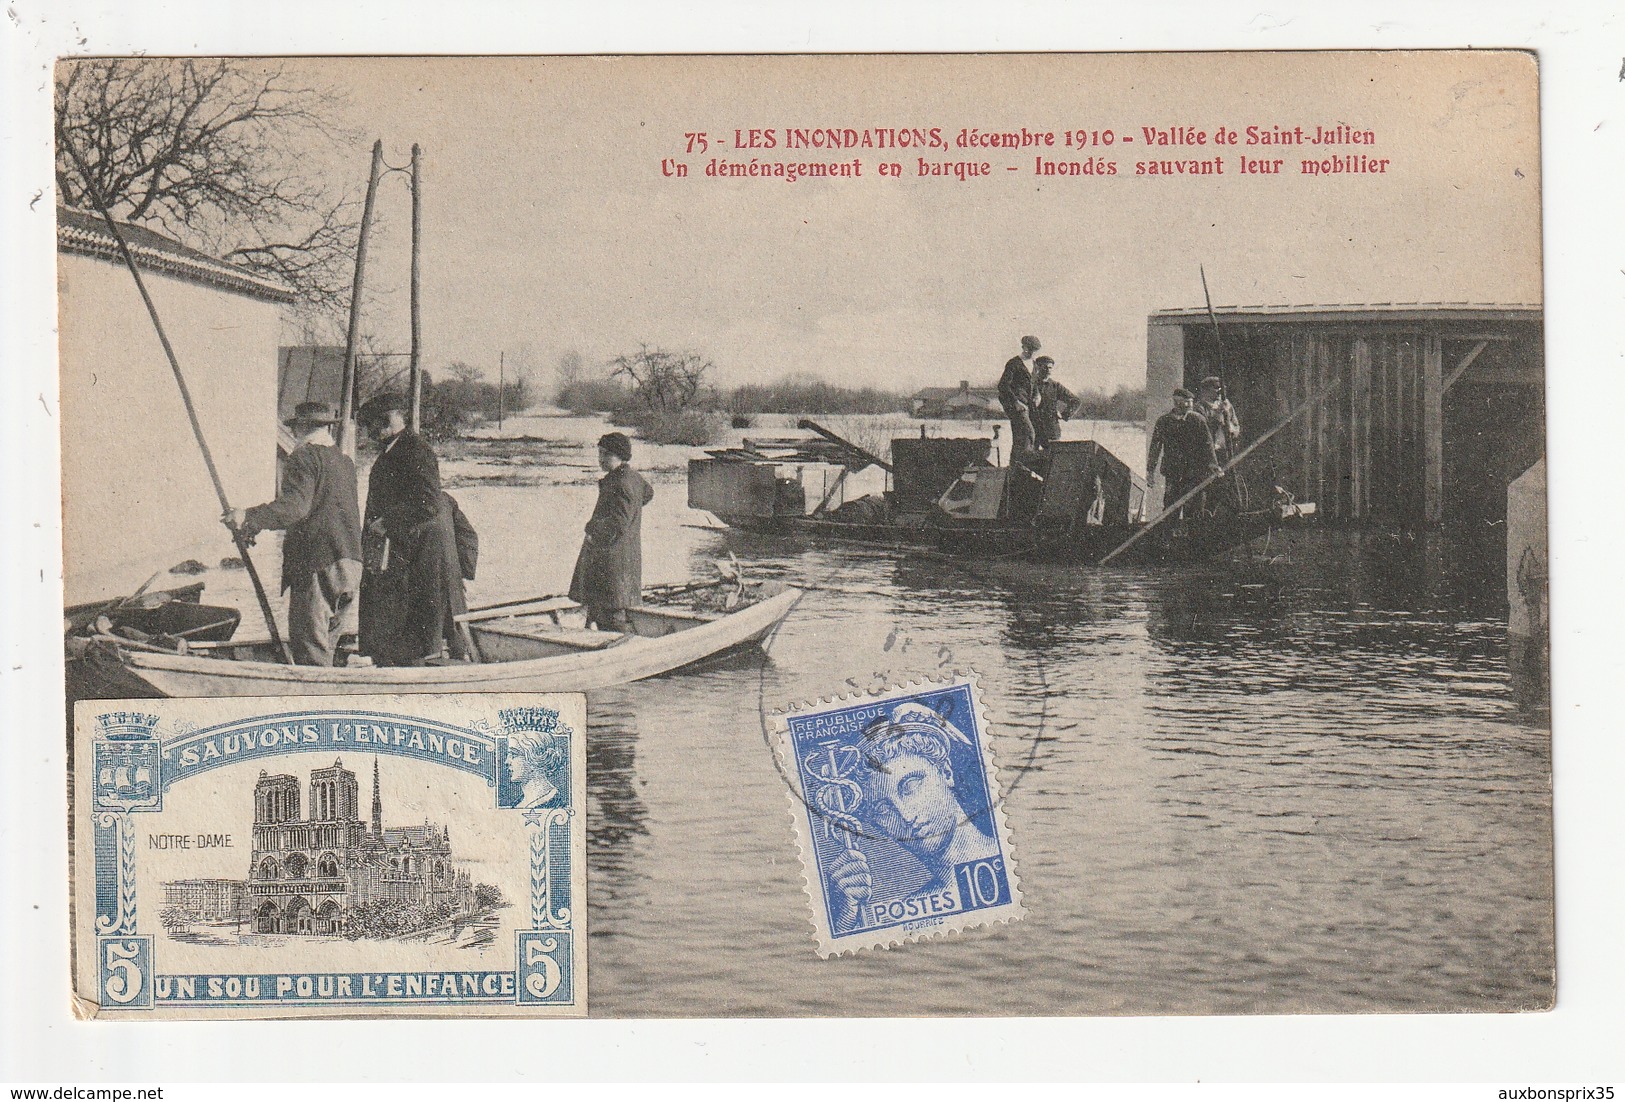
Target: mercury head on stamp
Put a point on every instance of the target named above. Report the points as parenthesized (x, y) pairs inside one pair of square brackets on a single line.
[(899, 818), (908, 785)]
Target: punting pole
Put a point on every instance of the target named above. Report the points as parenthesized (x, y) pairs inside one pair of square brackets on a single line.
[(1173, 509), (1224, 388), (1218, 341), (186, 400), (417, 333), (346, 440)]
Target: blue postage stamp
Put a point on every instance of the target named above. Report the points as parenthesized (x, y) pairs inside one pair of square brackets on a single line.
[(898, 815), (348, 856)]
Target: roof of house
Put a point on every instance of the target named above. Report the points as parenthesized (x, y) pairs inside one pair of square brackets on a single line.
[(86, 234), (1356, 311), (945, 393)]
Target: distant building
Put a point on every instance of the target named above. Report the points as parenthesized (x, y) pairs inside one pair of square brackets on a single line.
[(306, 874), (964, 402), (136, 496), (210, 900)]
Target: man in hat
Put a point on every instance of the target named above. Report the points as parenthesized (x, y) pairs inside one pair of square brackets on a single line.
[(608, 577), (1052, 403), (1222, 423), (1016, 396), (1181, 444), (413, 585), (321, 555)]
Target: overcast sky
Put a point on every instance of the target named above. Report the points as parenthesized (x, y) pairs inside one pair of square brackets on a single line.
[(549, 226)]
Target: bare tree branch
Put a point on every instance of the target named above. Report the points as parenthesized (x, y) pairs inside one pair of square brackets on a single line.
[(216, 153), (666, 381)]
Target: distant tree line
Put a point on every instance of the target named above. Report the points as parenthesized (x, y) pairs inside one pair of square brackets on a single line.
[(584, 396), (666, 396), (581, 391), (813, 396), (1123, 404), (453, 405), (454, 402)]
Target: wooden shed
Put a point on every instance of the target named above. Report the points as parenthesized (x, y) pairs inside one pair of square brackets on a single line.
[(1432, 410)]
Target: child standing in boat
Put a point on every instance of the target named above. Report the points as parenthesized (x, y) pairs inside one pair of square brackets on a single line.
[(608, 577)]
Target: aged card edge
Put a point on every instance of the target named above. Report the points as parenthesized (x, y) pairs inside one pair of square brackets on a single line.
[(825, 943)]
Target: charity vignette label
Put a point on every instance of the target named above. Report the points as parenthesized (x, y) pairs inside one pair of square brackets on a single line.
[(359, 856)]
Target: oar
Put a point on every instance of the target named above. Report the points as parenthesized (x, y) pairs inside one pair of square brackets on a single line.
[(186, 399), (667, 589), (139, 593), (1173, 509), (117, 603)]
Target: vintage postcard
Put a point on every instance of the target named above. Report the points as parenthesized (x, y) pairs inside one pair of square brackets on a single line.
[(1195, 401), (416, 856), (897, 811)]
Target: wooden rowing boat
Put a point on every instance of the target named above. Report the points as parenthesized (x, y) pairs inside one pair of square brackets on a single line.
[(539, 645), (176, 613)]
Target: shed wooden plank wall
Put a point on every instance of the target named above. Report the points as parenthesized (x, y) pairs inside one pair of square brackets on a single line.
[(1372, 450)]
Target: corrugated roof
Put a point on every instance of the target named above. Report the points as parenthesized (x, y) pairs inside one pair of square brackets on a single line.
[(1356, 311), (85, 233)]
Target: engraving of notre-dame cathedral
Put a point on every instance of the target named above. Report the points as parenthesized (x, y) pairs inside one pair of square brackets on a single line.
[(307, 875)]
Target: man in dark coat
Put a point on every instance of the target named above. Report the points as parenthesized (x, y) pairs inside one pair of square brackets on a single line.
[(413, 585), (321, 555), (1016, 396), (1180, 442), (1052, 403), (608, 577)]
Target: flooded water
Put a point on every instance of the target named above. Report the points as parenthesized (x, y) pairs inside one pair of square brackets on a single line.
[(1298, 780)]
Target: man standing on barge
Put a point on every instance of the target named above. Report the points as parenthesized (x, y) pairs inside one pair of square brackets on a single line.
[(1181, 444), (1016, 396), (1222, 423), (1052, 403)]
